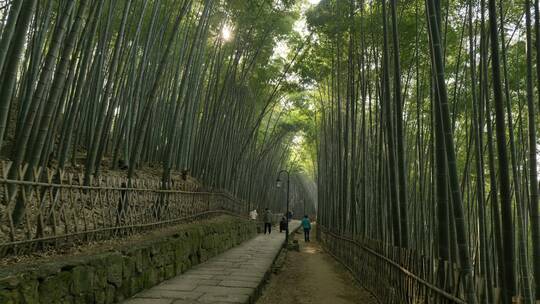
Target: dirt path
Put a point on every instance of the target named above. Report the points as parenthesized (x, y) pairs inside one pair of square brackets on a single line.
[(312, 276)]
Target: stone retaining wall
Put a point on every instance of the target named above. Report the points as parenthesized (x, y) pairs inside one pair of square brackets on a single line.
[(116, 275)]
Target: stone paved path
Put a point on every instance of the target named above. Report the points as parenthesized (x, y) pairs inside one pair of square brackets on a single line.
[(231, 277)]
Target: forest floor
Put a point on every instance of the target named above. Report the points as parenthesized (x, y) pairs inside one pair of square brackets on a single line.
[(312, 276)]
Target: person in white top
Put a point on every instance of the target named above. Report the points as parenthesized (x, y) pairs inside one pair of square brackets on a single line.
[(253, 214)]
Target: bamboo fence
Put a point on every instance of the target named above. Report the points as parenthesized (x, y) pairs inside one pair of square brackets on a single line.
[(60, 210), (397, 275)]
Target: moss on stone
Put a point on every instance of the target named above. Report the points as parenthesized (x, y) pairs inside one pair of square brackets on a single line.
[(83, 280), (116, 275), (29, 291), (55, 288), (9, 296)]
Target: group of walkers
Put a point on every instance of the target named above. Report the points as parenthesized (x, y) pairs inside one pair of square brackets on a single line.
[(283, 224)]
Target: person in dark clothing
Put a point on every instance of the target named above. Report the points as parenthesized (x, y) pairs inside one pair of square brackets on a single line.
[(306, 224), (267, 221), (283, 224)]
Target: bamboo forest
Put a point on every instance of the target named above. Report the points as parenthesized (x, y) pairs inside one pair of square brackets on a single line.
[(142, 141)]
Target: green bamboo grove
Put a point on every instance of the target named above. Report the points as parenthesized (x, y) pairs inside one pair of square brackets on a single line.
[(417, 119), (427, 132), (92, 86)]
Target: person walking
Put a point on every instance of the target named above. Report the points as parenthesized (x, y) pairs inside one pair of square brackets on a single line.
[(253, 214), (283, 224), (267, 221), (306, 224)]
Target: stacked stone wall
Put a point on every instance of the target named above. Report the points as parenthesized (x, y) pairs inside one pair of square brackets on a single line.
[(118, 274)]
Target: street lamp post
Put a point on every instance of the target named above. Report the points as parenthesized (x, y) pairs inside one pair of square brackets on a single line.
[(278, 184)]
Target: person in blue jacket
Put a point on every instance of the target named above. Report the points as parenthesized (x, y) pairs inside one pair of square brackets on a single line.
[(306, 224)]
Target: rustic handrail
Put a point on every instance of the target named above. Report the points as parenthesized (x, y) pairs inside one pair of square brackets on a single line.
[(33, 183), (59, 210), (411, 288)]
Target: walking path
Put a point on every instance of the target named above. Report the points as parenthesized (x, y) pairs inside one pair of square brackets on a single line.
[(311, 276), (231, 277)]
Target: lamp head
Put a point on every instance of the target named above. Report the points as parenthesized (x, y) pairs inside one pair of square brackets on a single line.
[(278, 183)]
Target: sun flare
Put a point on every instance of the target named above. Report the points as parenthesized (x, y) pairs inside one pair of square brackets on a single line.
[(226, 33)]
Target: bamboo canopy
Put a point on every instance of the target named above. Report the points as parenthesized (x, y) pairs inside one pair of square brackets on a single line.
[(409, 127)]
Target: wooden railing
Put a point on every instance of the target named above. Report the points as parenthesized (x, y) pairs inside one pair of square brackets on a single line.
[(395, 275), (59, 210)]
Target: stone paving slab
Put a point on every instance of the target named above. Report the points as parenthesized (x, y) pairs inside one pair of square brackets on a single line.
[(231, 277)]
